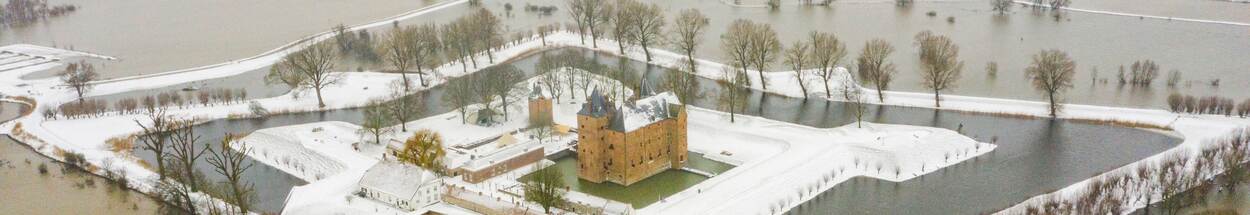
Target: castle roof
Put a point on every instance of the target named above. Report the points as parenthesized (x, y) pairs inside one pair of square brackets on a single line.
[(644, 111), (596, 105)]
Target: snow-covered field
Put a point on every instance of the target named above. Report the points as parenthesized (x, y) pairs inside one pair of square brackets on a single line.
[(88, 136)]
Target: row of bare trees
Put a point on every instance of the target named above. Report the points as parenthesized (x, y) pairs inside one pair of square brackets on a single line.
[(1207, 105), (483, 87), (100, 107), (1183, 178)]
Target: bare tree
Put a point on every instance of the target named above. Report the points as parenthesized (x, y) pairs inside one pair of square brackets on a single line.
[(647, 25), (232, 164), (940, 65), (377, 120), (544, 30), (765, 48), (854, 97), (796, 57), (503, 80), (551, 80), (827, 53), (734, 91), (78, 76), (457, 39), (156, 135), (577, 11), (425, 50), (736, 43), (1052, 72), (873, 67), (619, 18), (547, 189), (309, 67), (590, 15), (688, 29), (459, 95), (184, 150), (403, 107), (488, 31), (398, 48)]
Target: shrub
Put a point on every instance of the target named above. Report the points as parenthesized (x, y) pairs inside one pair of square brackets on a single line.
[(43, 168), (931, 13), (1243, 109), (257, 109), (1176, 102)]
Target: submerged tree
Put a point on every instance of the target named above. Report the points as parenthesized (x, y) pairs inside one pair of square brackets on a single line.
[(309, 68), (78, 76), (1001, 6), (1052, 72), (940, 65), (423, 149), (873, 67), (827, 53), (688, 28), (232, 164), (545, 188)]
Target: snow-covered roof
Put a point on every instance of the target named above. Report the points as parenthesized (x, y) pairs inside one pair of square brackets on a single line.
[(596, 105), (500, 153), (397, 179), (644, 111)]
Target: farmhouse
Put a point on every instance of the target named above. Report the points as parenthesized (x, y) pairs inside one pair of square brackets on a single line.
[(404, 186)]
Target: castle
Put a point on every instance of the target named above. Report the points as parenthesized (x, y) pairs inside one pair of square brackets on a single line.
[(627, 143)]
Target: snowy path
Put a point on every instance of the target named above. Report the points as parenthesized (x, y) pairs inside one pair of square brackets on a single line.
[(1242, 24)]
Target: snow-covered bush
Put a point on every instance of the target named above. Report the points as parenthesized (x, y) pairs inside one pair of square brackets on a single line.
[(257, 109)]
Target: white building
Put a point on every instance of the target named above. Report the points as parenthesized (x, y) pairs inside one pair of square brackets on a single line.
[(404, 186)]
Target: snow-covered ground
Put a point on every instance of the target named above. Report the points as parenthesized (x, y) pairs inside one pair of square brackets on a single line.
[(358, 88)]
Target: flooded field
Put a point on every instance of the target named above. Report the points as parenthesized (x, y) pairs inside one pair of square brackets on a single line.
[(33, 184)]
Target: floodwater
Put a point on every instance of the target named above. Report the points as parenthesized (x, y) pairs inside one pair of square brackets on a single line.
[(152, 36), (60, 190), (1034, 156), (1201, 52)]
